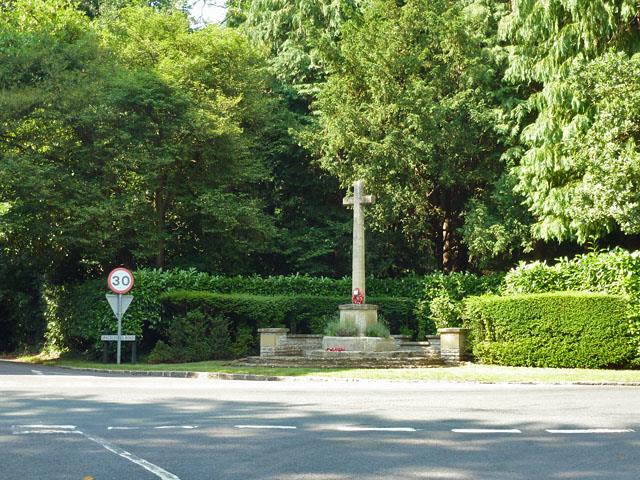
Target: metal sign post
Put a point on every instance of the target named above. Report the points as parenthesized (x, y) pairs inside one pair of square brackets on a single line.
[(119, 316), (120, 281), (119, 304)]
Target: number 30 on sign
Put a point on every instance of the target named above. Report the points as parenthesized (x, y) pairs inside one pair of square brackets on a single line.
[(120, 280)]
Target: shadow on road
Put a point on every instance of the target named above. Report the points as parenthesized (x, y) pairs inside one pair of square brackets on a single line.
[(316, 448)]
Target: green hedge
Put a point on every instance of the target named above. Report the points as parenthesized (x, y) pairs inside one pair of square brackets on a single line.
[(300, 313), (78, 314), (616, 272), (563, 329), (196, 310)]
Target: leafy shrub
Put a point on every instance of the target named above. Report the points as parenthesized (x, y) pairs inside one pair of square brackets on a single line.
[(161, 353), (337, 328), (195, 337), (378, 329), (445, 312), (616, 272), (22, 321), (450, 290), (245, 342), (568, 329), (319, 324)]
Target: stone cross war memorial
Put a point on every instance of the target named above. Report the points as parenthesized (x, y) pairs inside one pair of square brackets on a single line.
[(359, 312)]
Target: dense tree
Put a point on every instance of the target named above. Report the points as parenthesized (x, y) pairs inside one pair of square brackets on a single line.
[(51, 65), (298, 35), (117, 150), (578, 173), (302, 39), (306, 202), (409, 105), (196, 157)]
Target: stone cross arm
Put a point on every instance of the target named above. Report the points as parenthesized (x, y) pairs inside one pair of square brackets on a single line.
[(365, 199), (359, 198)]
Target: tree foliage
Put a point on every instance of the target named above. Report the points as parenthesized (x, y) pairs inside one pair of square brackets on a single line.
[(298, 35), (130, 140), (409, 106), (561, 50)]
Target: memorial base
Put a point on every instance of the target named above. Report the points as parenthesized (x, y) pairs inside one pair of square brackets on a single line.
[(362, 315), (358, 344)]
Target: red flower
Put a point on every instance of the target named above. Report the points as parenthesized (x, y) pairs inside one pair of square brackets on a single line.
[(357, 296)]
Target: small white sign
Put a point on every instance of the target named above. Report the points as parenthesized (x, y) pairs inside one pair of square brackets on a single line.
[(120, 280), (114, 338)]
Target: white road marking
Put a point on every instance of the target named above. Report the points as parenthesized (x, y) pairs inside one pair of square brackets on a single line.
[(37, 372), (123, 428), (273, 427), (62, 427), (71, 429), (156, 470), (43, 431), (486, 430), (593, 430), (375, 429), (188, 427)]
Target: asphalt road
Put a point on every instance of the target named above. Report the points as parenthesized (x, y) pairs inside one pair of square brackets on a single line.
[(58, 424)]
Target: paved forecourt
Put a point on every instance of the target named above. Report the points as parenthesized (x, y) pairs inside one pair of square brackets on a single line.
[(56, 424)]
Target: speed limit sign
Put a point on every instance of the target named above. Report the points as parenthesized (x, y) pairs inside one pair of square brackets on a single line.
[(120, 280)]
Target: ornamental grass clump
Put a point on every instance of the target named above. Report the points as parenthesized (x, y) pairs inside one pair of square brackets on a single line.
[(378, 329), (341, 329)]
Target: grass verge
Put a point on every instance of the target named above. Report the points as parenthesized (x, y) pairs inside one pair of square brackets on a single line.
[(463, 373)]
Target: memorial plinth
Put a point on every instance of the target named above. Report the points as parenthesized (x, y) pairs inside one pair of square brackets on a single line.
[(358, 344), (361, 315)]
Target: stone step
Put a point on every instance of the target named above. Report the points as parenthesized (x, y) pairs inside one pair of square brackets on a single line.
[(337, 361), (394, 354), (419, 347)]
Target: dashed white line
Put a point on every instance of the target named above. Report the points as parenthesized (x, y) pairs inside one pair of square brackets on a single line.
[(187, 427), (37, 372), (591, 430), (375, 429), (486, 430), (267, 427), (62, 427), (44, 431), (123, 428)]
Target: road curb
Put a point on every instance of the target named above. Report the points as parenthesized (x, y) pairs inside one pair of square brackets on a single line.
[(276, 378), (179, 374)]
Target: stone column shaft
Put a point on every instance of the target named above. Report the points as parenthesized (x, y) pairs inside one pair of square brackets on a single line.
[(358, 277), (358, 201)]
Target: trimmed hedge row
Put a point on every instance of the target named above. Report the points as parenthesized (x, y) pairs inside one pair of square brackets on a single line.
[(616, 272), (300, 313), (78, 314), (232, 320), (563, 329)]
